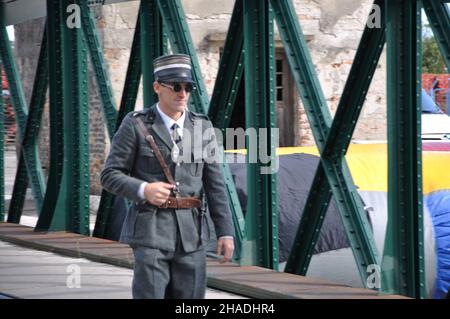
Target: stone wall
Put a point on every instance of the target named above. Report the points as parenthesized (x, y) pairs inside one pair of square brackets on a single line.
[(337, 27)]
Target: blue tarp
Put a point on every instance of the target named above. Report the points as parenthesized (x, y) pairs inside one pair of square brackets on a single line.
[(439, 207)]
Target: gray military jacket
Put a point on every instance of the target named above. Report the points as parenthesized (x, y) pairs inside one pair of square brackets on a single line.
[(132, 161)]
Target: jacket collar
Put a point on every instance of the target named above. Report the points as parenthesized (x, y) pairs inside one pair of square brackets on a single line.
[(157, 126), (153, 118)]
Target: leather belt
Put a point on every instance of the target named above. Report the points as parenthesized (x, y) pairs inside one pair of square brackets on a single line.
[(182, 202)]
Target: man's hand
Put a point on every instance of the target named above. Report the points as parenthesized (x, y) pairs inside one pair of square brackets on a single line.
[(157, 193), (225, 245)]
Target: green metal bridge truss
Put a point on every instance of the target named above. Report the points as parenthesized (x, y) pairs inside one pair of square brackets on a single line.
[(63, 202)]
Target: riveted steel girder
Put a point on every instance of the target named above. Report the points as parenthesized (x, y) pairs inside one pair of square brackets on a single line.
[(19, 191), (55, 43), (347, 113), (261, 220), (73, 199), (221, 107), (336, 172), (230, 72), (29, 165), (181, 42), (153, 45), (99, 65), (29, 152), (68, 201), (130, 91), (403, 257)]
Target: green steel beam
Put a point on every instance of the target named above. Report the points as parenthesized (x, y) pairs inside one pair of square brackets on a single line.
[(261, 220), (100, 66), (127, 104), (153, 45), (439, 16), (73, 199), (71, 202), (339, 137), (230, 72), (14, 84), (29, 158), (403, 259), (31, 134), (19, 191), (30, 140), (221, 108), (49, 218), (336, 171), (132, 79), (31, 163), (181, 42), (356, 88), (21, 113)]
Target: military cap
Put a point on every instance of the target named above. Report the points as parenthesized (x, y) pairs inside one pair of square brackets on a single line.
[(173, 68)]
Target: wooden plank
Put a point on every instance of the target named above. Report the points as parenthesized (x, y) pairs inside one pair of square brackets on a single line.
[(249, 281)]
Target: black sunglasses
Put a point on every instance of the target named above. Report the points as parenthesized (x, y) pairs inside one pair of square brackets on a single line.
[(177, 87)]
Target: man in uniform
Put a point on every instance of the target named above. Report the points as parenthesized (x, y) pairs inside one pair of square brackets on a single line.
[(166, 225)]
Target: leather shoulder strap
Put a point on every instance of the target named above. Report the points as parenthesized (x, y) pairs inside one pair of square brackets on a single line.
[(156, 150)]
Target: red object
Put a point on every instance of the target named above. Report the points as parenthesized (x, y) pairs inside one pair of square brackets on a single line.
[(428, 79), (437, 146), (4, 82)]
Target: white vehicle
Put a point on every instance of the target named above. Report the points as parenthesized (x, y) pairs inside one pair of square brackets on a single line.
[(435, 123)]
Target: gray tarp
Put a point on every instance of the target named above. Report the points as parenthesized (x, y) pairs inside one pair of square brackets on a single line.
[(295, 176)]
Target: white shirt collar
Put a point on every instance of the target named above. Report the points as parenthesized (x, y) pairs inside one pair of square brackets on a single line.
[(168, 121)]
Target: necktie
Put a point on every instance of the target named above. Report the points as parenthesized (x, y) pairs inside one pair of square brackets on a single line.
[(176, 137)]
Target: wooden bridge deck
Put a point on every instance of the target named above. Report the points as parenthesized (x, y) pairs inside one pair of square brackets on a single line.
[(251, 281)]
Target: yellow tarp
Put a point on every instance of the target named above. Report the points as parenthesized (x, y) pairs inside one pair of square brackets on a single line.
[(368, 166)]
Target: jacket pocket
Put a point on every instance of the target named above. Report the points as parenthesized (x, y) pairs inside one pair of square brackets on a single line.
[(143, 223), (148, 160)]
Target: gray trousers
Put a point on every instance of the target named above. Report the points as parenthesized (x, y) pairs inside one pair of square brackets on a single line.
[(161, 274)]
